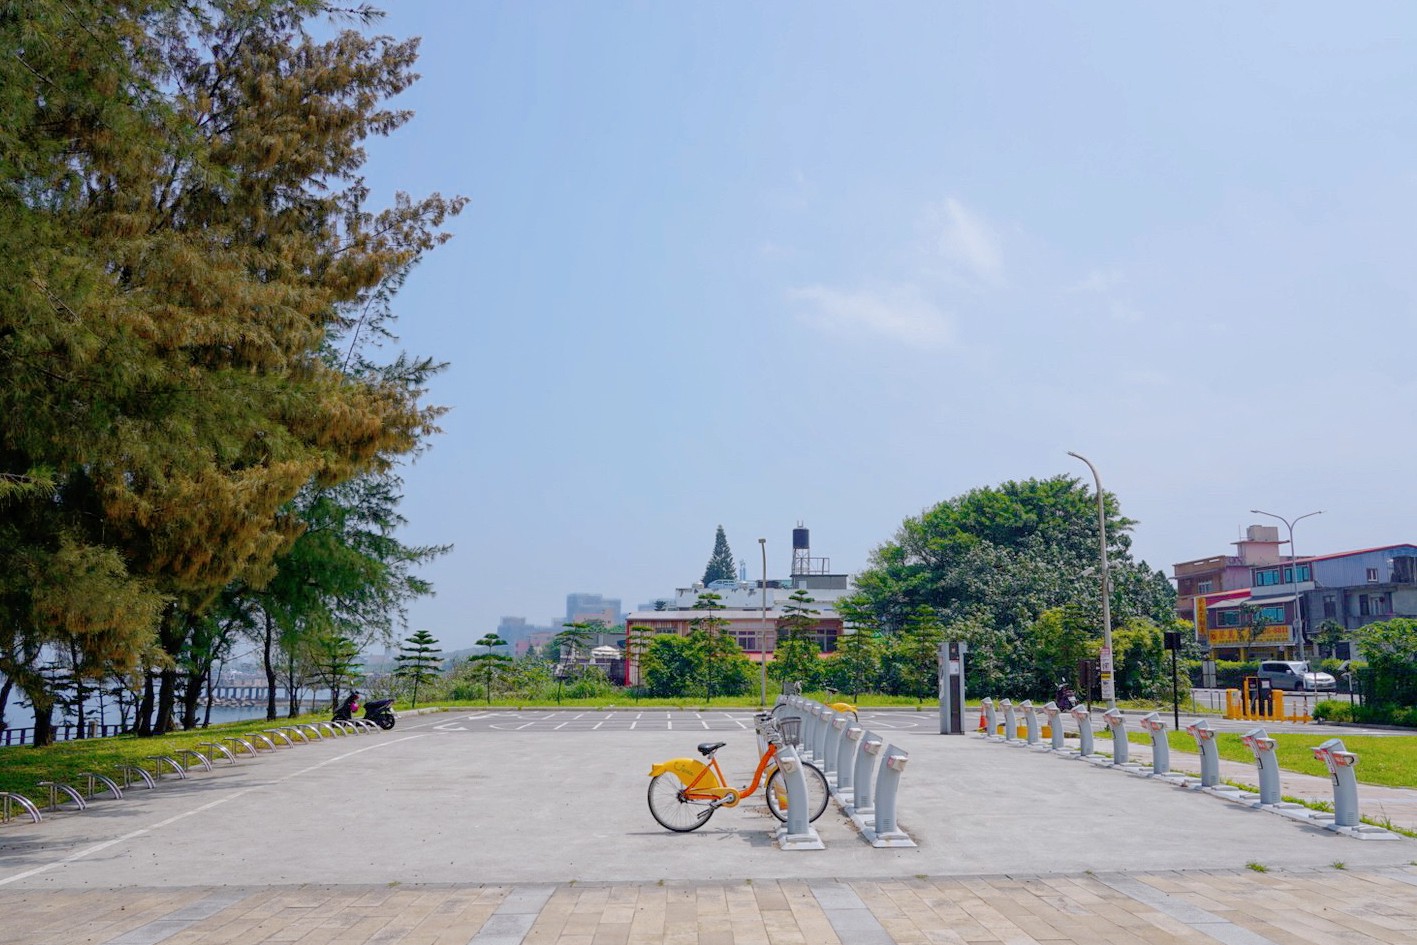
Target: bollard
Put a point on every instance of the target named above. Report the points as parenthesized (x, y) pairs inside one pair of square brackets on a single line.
[(886, 831), (1084, 720), (862, 801), (991, 721), (1160, 750), (1118, 725), (1262, 746), (1030, 720), (1010, 721), (846, 763), (833, 763), (824, 725), (798, 833), (1210, 755), (1340, 765), (1055, 725)]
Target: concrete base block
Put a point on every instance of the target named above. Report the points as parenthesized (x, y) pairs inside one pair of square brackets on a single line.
[(810, 840), (866, 823)]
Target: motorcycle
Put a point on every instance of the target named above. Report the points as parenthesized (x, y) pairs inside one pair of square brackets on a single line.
[(379, 711), (1065, 697)]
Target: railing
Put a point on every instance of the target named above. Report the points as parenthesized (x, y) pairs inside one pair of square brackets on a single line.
[(62, 733)]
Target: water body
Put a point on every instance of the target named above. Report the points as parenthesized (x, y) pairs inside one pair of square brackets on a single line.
[(19, 716)]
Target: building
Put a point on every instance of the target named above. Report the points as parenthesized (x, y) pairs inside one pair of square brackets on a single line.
[(1287, 597), (1205, 576), (743, 602), (592, 608)]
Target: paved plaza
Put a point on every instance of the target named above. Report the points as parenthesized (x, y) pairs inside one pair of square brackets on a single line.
[(499, 828)]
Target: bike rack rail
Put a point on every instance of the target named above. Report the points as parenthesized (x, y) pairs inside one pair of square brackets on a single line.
[(129, 770), (95, 779), (59, 787), (284, 736), (192, 754), (177, 767), (8, 798), (239, 742), (215, 748)]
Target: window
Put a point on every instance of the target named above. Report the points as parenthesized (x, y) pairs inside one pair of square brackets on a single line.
[(1267, 578), (1363, 605), (1303, 570), (1273, 614), (1372, 575), (1205, 587), (1229, 618), (1330, 606)]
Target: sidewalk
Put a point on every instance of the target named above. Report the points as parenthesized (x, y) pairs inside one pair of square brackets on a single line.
[(1194, 908)]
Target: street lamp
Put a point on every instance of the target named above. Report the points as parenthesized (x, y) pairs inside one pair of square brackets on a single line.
[(1293, 570), (763, 630), (1109, 688)]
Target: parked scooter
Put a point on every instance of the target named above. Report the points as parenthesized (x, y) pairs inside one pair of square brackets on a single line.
[(380, 711), (1065, 697)]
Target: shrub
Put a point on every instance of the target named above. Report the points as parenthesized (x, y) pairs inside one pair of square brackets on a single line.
[(1331, 710)]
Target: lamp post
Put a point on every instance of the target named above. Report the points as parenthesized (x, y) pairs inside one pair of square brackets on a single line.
[(1109, 688), (763, 630), (1293, 570)]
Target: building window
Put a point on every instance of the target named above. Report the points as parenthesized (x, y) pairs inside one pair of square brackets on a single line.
[(1303, 570), (1330, 607), (1229, 618), (1205, 587), (1372, 575), (1272, 615), (1267, 578)]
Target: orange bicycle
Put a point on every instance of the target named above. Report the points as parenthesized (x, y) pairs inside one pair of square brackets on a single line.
[(685, 792)]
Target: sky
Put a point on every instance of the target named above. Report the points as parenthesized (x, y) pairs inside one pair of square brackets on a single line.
[(751, 265)]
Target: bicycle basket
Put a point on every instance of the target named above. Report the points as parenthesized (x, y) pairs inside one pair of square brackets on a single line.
[(791, 729)]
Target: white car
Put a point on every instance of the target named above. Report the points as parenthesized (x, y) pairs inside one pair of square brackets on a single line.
[(1295, 674)]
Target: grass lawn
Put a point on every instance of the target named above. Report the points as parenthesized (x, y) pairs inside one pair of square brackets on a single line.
[(1389, 760)]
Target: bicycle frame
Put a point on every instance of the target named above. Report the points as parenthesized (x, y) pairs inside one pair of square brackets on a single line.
[(706, 783)]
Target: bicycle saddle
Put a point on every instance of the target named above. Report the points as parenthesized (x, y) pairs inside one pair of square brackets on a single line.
[(708, 748)]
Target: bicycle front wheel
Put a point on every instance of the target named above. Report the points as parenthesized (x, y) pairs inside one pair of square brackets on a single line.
[(817, 792), (669, 806)]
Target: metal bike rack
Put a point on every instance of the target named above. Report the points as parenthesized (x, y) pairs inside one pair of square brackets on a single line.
[(798, 833), (883, 830), (834, 744), (9, 799), (192, 754), (58, 787), (819, 744), (1030, 721), (264, 739), (1210, 755), (1010, 721), (1055, 726), (1160, 748), (238, 742), (160, 760), (991, 721), (311, 728), (846, 765), (861, 801), (218, 748), (1340, 764), (1083, 717), (1121, 748), (327, 727), (129, 771), (284, 737), (1262, 747), (94, 779)]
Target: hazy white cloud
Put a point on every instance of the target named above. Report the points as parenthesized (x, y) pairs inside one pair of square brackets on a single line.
[(899, 315), (970, 245)]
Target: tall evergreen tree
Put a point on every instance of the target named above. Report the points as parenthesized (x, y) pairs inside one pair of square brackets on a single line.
[(720, 563), (796, 656), (420, 661), (490, 663)]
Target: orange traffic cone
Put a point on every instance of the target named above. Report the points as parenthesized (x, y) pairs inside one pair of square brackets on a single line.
[(983, 721)]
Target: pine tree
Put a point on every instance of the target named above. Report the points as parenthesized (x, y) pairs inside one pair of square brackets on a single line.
[(492, 664), (419, 660), (795, 659), (720, 563)]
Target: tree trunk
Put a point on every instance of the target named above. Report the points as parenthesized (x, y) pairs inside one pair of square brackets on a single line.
[(166, 702), (268, 663), (43, 724), (143, 721), (191, 697), (5, 688)]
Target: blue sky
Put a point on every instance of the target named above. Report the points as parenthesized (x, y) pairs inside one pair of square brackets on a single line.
[(750, 264)]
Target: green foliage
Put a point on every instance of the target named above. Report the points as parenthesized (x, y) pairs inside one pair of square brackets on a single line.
[(575, 637), (992, 561), (672, 665), (796, 655), (856, 665), (1390, 649), (914, 652), (720, 564), (1141, 664), (491, 666), (419, 662)]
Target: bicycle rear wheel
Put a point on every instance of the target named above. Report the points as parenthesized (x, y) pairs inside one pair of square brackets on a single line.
[(668, 805), (817, 792)]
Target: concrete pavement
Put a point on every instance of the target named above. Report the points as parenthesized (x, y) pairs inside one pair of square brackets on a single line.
[(450, 829)]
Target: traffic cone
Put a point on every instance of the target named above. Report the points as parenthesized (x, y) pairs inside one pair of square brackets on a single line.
[(983, 721)]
